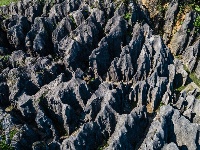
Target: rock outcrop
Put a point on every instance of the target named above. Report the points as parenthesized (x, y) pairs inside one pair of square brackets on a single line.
[(99, 74)]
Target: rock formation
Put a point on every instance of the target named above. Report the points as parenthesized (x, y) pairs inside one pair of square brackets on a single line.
[(93, 74)]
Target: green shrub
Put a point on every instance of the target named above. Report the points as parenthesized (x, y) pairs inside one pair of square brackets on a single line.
[(6, 2), (197, 8), (3, 145), (127, 16), (5, 57), (197, 22)]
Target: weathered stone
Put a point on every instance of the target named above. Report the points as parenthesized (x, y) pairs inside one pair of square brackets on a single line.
[(170, 146), (93, 74), (181, 74), (180, 39), (169, 126), (129, 130), (101, 57), (170, 16), (81, 140), (191, 55)]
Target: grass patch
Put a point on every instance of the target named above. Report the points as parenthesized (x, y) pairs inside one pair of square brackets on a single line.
[(7, 2), (178, 57), (181, 88), (194, 79), (186, 69)]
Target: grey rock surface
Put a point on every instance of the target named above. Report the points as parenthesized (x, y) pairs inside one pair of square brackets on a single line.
[(93, 75)]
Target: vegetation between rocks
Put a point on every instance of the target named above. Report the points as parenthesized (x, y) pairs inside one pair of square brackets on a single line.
[(3, 144), (7, 2)]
